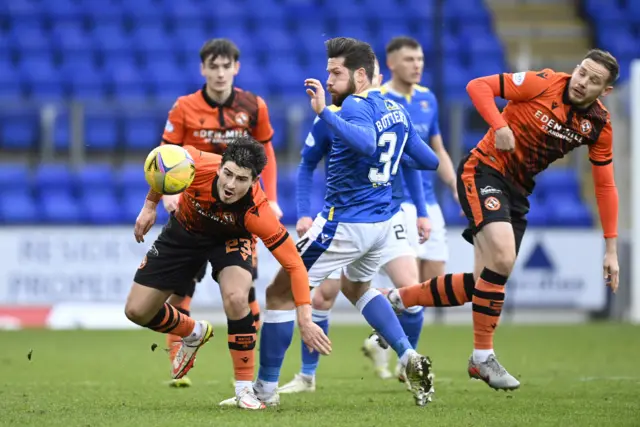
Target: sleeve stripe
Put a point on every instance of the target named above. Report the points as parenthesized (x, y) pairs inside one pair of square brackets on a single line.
[(166, 141), (600, 163), (280, 241), (501, 85)]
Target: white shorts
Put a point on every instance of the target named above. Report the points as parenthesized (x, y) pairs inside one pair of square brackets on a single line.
[(354, 248), (398, 243), (434, 249)]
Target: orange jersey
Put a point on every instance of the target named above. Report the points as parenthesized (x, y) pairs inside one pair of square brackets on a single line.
[(200, 212), (545, 125), (198, 120)]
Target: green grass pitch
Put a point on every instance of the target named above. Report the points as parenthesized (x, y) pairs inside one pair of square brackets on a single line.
[(571, 376)]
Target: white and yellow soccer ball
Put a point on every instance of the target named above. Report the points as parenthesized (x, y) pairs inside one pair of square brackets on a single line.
[(169, 169)]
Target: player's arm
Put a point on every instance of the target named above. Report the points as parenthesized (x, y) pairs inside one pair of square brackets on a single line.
[(522, 86), (421, 156), (315, 147), (446, 171), (263, 132), (261, 221), (601, 156), (413, 178), (355, 125), (174, 128)]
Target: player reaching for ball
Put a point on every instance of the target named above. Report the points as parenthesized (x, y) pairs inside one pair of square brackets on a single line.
[(548, 115), (216, 219), (210, 119)]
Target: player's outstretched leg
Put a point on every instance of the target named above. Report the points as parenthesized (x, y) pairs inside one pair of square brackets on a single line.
[(182, 303), (141, 308), (486, 295), (379, 314), (322, 301), (275, 337)]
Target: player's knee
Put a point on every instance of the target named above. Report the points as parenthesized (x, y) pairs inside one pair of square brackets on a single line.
[(236, 303), (280, 288), (323, 300), (503, 260), (136, 313)]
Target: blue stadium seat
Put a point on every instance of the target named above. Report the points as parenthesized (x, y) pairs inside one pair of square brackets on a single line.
[(566, 212), (19, 130), (165, 79), (83, 77), (101, 130), (280, 41), (110, 37), (143, 10), (102, 11), (130, 177), (30, 39), (71, 37), (9, 80), (190, 38), (100, 206), (95, 176), (186, 12), (143, 130), (266, 11), (128, 81), (53, 176), (59, 206), (152, 37), (61, 9), (40, 73), (18, 207), (558, 180), (538, 213), (15, 177), (131, 202)]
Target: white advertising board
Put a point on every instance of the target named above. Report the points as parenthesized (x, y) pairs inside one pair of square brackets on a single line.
[(53, 265)]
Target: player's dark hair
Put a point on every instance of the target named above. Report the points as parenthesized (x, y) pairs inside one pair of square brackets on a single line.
[(607, 60), (219, 47), (399, 42), (248, 153), (357, 54)]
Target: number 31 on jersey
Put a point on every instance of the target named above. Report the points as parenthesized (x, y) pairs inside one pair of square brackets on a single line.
[(389, 140)]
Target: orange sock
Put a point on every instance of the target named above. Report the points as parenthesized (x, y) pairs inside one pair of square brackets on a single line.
[(488, 297), (442, 291), (255, 308), (172, 339), (170, 320), (242, 344)]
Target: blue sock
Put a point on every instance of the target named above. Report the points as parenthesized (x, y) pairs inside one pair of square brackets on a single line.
[(378, 312), (411, 320), (275, 338), (310, 360)]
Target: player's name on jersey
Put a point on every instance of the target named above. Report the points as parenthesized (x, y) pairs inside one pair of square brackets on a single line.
[(391, 119), (213, 136)]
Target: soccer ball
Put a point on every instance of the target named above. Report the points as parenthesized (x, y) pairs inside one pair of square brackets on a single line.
[(169, 169)]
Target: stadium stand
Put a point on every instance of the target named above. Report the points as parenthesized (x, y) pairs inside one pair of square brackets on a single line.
[(115, 53)]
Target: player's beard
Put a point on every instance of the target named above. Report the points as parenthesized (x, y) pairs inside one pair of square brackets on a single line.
[(338, 98)]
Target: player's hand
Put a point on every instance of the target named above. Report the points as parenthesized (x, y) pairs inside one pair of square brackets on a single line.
[(171, 202), (314, 338), (505, 141), (276, 209), (316, 93), (611, 270), (303, 225), (144, 222), (424, 229)]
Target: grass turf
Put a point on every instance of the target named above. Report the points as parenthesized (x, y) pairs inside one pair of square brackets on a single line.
[(571, 376)]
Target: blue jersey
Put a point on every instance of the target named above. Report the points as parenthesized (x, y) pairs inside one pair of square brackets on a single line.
[(422, 106), (363, 166), (317, 146)]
